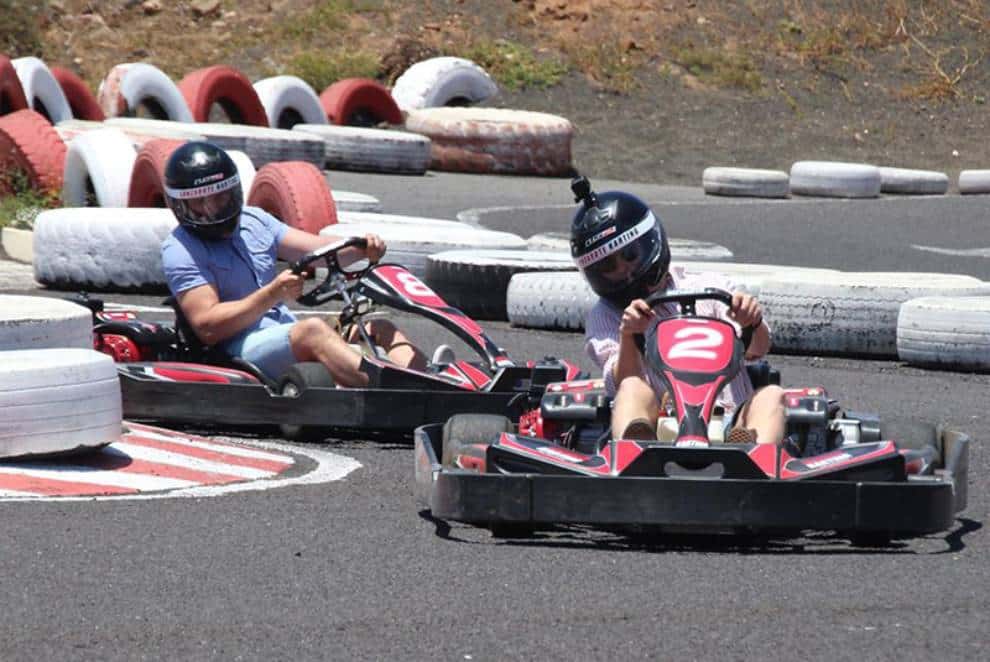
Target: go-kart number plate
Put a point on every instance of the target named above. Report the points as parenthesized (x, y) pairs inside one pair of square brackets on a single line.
[(407, 285), (696, 345)]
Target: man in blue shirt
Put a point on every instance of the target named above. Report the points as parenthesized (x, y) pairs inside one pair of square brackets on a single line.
[(220, 266)]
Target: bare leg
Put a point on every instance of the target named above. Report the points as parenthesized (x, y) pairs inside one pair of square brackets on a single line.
[(634, 399), (313, 340), (764, 412), (400, 351)]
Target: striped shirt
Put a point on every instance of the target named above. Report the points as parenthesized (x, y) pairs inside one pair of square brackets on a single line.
[(602, 334)]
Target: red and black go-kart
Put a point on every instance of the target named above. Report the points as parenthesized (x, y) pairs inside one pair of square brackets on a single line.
[(167, 375), (834, 470)]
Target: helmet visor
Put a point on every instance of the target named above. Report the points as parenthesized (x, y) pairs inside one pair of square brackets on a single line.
[(631, 264), (207, 205)]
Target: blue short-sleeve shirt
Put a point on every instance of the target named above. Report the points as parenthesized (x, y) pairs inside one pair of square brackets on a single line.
[(236, 268)]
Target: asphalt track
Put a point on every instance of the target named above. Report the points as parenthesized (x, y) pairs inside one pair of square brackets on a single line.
[(353, 569)]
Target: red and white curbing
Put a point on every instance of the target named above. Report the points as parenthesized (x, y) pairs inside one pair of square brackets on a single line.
[(151, 462)]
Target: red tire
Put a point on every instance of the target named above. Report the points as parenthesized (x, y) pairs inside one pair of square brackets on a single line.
[(29, 143), (12, 96), (149, 172), (81, 99), (229, 88), (296, 193), (359, 102)]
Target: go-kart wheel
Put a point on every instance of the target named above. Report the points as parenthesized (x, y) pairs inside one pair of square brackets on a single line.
[(914, 435), (469, 435), (300, 377)]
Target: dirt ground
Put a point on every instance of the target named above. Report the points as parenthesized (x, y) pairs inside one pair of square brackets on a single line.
[(658, 89)]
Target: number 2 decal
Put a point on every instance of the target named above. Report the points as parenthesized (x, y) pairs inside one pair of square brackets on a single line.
[(694, 343)]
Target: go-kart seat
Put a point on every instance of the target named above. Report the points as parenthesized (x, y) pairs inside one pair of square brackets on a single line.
[(192, 349)]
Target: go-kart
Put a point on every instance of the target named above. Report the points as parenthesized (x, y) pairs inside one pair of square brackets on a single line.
[(834, 470), (168, 375)]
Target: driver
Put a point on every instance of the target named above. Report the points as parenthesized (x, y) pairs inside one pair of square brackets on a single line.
[(220, 266), (622, 250)]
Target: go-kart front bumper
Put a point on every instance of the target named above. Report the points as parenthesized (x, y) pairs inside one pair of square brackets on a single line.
[(922, 504)]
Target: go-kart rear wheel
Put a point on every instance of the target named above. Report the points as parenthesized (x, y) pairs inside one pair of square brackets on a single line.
[(469, 435), (300, 377)]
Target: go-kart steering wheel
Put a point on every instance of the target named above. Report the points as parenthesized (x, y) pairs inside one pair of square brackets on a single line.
[(687, 300), (338, 277)]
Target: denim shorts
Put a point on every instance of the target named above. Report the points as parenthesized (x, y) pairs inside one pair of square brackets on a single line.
[(267, 348)]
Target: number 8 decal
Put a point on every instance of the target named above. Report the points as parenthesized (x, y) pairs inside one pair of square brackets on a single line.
[(695, 343), (414, 286)]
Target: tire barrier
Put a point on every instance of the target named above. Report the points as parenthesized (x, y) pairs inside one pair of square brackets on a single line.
[(57, 401), (98, 168), (82, 101), (105, 250), (296, 193), (680, 249), (226, 87), (135, 85), (913, 182), (146, 188), (974, 182), (350, 201), (41, 90), (745, 182), (140, 130), (11, 92), (289, 100), (371, 150), (831, 179), (359, 102), (29, 144), (442, 81), (853, 314), (945, 332), (495, 140), (42, 322)]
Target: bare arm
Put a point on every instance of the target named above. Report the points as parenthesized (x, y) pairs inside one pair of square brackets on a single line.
[(215, 322)]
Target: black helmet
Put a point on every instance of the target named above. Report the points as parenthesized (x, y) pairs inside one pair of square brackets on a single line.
[(618, 244), (203, 189)]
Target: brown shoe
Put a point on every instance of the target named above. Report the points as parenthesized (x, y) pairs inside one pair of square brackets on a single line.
[(640, 429), (739, 435)]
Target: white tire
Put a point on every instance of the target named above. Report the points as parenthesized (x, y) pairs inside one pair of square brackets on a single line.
[(359, 202), (745, 182), (476, 281), (134, 84), (57, 401), (245, 169), (98, 167), (264, 145), (441, 80), (43, 322), (916, 182), (974, 182), (680, 249), (849, 313), (42, 91), (831, 179), (19, 243), (371, 150), (141, 130), (410, 245), (108, 249), (376, 220), (549, 300), (289, 100), (69, 129), (945, 332)]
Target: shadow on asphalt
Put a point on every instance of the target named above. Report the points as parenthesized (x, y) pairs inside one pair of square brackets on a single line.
[(794, 542)]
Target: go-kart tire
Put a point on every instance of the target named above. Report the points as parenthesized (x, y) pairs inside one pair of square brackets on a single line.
[(30, 144), (81, 99), (296, 193), (470, 435), (12, 96), (359, 102), (227, 87), (440, 81), (301, 376), (41, 90), (289, 100), (98, 168), (132, 85)]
